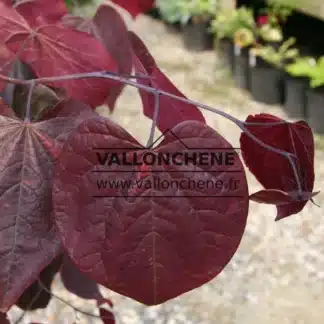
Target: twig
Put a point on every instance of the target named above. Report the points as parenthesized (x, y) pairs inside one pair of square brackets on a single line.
[(112, 76), (154, 119), (69, 304)]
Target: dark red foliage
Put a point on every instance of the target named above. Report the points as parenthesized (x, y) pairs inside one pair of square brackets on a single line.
[(145, 242), (180, 111), (147, 248), (75, 52), (135, 7), (42, 12), (78, 283), (107, 316), (295, 138)]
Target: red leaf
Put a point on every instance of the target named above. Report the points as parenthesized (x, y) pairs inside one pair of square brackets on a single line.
[(42, 12), (147, 247), (107, 316), (278, 197), (274, 171), (4, 319), (28, 235), (108, 27), (171, 112), (35, 297), (55, 50), (78, 283), (135, 7)]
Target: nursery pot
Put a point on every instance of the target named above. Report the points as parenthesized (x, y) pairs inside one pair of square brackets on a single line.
[(196, 35), (295, 96), (174, 27), (154, 13), (226, 51), (242, 70), (315, 109), (267, 82)]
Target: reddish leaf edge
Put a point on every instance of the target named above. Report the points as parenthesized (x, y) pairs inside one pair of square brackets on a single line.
[(278, 198)]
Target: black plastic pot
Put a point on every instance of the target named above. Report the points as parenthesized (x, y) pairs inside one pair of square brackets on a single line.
[(267, 83), (154, 13), (226, 51), (242, 69), (315, 109), (295, 96), (196, 36)]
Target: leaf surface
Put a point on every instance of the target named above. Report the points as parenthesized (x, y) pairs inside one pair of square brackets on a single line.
[(42, 12), (171, 111), (137, 241), (274, 171), (55, 50), (29, 239)]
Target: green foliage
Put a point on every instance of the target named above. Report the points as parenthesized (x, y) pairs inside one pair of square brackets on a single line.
[(280, 56), (228, 22), (317, 74), (270, 33), (244, 37), (72, 3), (170, 10), (200, 8), (301, 67), (183, 10)]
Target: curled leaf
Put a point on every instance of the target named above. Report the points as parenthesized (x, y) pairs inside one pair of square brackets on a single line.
[(273, 170)]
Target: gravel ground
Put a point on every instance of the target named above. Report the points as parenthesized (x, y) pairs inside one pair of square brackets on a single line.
[(277, 274)]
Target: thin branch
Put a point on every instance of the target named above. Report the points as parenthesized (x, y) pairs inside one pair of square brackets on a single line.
[(154, 119), (29, 306), (69, 304), (111, 76)]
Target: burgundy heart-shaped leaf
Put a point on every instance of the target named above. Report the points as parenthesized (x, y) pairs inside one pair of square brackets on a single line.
[(273, 170), (151, 244), (28, 235), (135, 7), (42, 12), (171, 111), (75, 52)]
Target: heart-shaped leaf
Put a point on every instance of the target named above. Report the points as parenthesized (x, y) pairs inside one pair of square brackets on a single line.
[(28, 235), (148, 243), (273, 170)]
